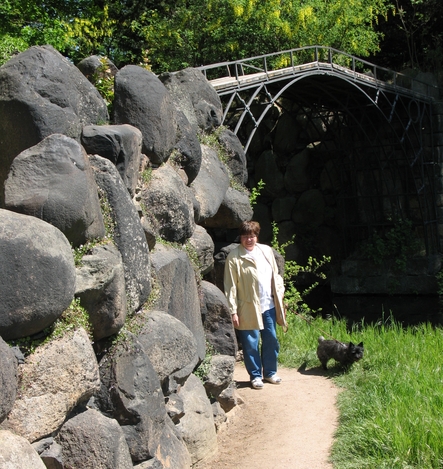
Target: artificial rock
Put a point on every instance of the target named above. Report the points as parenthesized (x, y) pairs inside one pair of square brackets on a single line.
[(171, 348), (42, 93), (53, 181), (54, 379), (179, 296), (121, 144), (128, 233), (142, 100), (166, 198), (8, 379), (211, 184), (37, 261), (220, 332), (100, 287)]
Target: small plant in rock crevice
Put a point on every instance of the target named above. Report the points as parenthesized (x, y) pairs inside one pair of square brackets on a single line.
[(107, 214), (103, 80), (212, 140), (397, 244), (74, 317), (146, 175), (108, 220), (204, 368)]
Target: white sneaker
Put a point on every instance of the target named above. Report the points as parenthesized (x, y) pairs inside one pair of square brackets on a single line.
[(257, 383), (274, 379)]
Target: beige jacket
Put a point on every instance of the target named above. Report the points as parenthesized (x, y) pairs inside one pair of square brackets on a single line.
[(242, 290)]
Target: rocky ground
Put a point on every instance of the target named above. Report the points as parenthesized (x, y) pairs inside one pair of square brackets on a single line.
[(289, 426)]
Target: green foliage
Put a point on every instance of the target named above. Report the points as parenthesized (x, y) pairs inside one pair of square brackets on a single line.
[(203, 369), (256, 191), (135, 321), (399, 243), (193, 257), (28, 23), (294, 297), (80, 251), (104, 82), (171, 36), (146, 175), (108, 216), (74, 317), (10, 46), (416, 25), (109, 223)]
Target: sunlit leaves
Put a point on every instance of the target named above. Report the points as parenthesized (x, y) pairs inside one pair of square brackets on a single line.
[(182, 33)]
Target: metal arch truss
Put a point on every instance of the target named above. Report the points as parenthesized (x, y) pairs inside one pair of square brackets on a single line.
[(389, 171)]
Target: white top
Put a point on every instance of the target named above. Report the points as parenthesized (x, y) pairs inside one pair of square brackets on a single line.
[(264, 273)]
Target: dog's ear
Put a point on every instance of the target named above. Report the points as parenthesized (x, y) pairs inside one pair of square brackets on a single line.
[(351, 345), (360, 344)]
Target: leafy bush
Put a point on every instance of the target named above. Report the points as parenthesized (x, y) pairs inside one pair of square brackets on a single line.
[(399, 243)]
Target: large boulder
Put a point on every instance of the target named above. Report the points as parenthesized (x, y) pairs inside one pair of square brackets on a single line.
[(233, 211), (54, 379), (92, 441), (38, 274), (8, 379), (203, 245), (188, 147), (53, 181), (219, 379), (171, 348), (17, 453), (42, 93), (196, 97), (216, 276), (141, 100), (220, 332), (211, 184), (197, 426), (95, 67), (50, 452), (129, 235), (131, 393), (101, 289), (177, 283), (168, 200), (120, 144), (236, 157)]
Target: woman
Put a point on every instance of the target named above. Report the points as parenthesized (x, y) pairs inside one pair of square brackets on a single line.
[(254, 289)]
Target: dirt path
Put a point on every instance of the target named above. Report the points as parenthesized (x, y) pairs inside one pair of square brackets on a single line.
[(287, 426)]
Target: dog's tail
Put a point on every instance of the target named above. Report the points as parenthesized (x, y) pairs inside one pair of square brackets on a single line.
[(321, 339)]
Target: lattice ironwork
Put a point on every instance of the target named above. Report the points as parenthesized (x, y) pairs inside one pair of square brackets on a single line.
[(387, 169)]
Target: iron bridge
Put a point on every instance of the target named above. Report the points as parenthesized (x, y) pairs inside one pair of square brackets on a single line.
[(388, 169)]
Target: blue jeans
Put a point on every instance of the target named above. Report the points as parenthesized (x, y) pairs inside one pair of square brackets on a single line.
[(266, 358)]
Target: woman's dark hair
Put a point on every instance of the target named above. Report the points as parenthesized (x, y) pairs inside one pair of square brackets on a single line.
[(250, 228)]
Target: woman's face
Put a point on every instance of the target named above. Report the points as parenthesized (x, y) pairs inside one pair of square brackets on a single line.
[(248, 241)]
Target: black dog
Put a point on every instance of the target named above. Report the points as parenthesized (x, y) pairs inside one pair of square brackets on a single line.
[(345, 354)]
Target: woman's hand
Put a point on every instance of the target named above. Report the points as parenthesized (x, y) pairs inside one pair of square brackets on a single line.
[(235, 320)]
